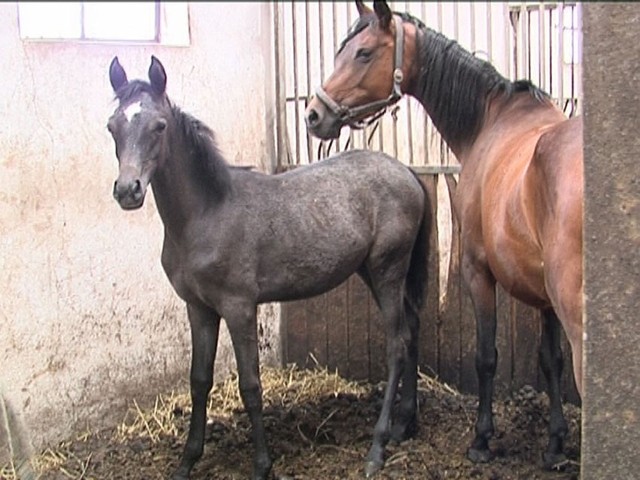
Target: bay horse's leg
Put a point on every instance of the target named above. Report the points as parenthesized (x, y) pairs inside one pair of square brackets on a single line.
[(244, 336), (482, 288), (551, 362), (397, 341), (405, 424), (205, 325)]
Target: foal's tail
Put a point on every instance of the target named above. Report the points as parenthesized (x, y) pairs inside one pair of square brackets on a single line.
[(417, 275)]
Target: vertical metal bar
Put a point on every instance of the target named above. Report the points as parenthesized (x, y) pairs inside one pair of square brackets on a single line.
[(552, 49), (560, 60), (425, 139), (489, 34), (350, 140), (296, 93), (573, 62), (82, 20), (335, 50), (158, 12), (541, 47), (445, 153), (578, 39), (321, 39), (456, 19), (281, 100), (511, 31), (409, 120), (321, 42), (472, 26), (435, 135), (308, 95), (526, 43)]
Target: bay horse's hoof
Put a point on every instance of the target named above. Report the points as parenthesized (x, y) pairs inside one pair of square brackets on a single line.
[(554, 461), (477, 455), (372, 467)]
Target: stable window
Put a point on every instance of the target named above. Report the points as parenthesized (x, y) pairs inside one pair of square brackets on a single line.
[(136, 22)]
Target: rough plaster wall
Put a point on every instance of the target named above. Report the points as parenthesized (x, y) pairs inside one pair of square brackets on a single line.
[(87, 318), (610, 408)]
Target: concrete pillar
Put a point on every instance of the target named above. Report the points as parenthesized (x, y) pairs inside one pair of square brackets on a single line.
[(611, 403)]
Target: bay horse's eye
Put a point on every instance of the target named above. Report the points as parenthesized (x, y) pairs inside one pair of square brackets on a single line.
[(159, 126), (363, 54)]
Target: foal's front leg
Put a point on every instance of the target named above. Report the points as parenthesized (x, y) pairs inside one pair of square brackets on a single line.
[(205, 325), (244, 335)]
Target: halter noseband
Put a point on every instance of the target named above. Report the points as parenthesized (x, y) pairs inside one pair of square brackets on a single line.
[(348, 115)]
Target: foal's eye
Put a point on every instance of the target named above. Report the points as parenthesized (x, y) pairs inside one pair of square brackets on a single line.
[(159, 126), (363, 54)]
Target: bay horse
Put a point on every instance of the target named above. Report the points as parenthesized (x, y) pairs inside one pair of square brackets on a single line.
[(235, 238), (519, 200)]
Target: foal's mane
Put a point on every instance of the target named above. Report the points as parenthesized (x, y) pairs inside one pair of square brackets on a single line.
[(208, 162), (456, 85)]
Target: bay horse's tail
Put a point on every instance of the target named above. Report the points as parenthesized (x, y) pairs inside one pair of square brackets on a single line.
[(417, 275)]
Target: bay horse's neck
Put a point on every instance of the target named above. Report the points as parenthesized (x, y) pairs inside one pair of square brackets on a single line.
[(192, 176), (453, 86)]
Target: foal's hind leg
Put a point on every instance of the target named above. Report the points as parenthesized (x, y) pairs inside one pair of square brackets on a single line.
[(405, 424), (390, 301), (205, 325), (244, 336), (551, 364)]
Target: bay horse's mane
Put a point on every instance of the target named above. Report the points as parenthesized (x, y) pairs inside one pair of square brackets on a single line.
[(210, 165), (456, 85)]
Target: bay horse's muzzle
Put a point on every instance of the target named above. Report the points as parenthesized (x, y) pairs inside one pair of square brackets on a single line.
[(322, 122), (129, 193)]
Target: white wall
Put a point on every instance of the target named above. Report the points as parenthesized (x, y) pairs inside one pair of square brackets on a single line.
[(87, 318)]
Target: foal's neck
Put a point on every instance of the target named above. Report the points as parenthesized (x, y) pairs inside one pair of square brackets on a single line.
[(184, 186)]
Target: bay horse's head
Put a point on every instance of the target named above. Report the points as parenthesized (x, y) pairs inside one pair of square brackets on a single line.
[(368, 75), (138, 127)]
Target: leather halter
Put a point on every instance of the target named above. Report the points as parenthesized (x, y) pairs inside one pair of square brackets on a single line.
[(376, 109)]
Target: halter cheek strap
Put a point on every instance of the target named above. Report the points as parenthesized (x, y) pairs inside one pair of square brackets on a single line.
[(372, 110)]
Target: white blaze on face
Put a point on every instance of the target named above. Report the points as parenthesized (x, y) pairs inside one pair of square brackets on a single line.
[(132, 110)]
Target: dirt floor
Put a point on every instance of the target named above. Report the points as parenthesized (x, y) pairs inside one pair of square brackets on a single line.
[(319, 427)]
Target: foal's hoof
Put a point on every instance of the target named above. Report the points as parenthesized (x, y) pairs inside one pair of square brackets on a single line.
[(372, 467), (477, 455), (400, 433), (554, 461)]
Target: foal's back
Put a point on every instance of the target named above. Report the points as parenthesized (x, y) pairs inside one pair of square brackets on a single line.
[(302, 232)]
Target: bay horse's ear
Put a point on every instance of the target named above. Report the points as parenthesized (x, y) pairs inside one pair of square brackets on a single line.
[(117, 75), (157, 76), (362, 8), (383, 12)]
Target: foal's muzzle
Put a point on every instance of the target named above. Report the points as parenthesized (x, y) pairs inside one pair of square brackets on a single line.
[(129, 193)]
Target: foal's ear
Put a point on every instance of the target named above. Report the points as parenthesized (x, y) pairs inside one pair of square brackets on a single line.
[(383, 12), (117, 75), (362, 8), (157, 76)]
